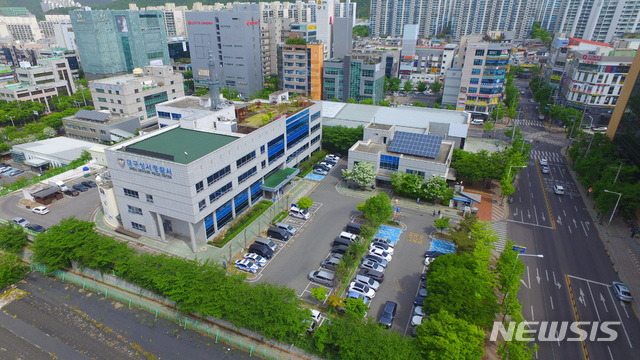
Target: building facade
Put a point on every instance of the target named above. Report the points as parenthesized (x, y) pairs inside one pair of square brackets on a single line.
[(233, 38), (302, 67), (137, 94), (114, 42), (356, 76), (192, 184), (388, 18), (23, 27), (274, 32), (100, 126)]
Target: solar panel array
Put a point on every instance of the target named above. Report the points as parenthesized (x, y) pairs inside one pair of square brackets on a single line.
[(416, 144), (92, 115)]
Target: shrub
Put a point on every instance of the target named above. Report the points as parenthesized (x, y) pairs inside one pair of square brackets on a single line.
[(12, 238), (241, 223), (319, 293), (12, 269)]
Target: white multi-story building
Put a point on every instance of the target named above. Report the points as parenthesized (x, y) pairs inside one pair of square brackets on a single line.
[(137, 94), (388, 17), (22, 27), (174, 17)]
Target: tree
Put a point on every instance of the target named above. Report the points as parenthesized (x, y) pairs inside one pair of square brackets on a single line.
[(363, 174), (201, 91), (442, 336), (436, 86), (377, 208), (366, 101), (351, 101), (488, 126), (383, 103), (296, 41), (319, 293), (12, 269), (538, 33), (340, 138), (441, 223), (12, 238), (187, 74), (451, 107), (408, 85), (394, 84), (361, 30), (419, 104), (421, 86), (305, 203), (355, 308), (410, 185), (49, 132), (436, 189)]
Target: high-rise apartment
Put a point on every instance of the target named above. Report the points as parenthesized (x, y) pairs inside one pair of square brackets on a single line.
[(117, 41), (389, 17), (302, 69), (233, 39)]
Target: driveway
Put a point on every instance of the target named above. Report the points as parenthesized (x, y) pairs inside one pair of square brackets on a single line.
[(80, 207)]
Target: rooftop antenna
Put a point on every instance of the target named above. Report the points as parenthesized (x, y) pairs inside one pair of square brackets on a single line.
[(214, 84), (186, 156)]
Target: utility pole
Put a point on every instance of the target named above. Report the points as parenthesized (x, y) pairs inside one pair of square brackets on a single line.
[(618, 173)]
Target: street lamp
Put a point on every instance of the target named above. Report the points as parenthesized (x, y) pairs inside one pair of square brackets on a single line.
[(618, 173), (509, 172), (615, 207)]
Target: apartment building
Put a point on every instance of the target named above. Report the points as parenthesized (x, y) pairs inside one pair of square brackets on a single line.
[(302, 69), (138, 93), (19, 24), (274, 32), (357, 76)]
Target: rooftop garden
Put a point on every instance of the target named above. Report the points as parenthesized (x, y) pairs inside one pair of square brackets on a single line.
[(261, 113)]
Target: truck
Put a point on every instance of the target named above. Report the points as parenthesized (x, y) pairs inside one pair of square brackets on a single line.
[(60, 184)]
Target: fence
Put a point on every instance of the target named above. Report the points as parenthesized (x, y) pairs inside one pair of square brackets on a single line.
[(241, 339)]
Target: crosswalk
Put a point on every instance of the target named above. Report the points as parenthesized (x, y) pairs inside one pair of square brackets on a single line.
[(500, 228), (543, 136), (552, 157), (537, 123)]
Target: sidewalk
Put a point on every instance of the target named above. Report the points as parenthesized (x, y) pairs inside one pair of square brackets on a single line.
[(180, 248), (623, 250)]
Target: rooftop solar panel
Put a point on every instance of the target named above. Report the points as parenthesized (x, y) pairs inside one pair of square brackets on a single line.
[(416, 144), (92, 115)]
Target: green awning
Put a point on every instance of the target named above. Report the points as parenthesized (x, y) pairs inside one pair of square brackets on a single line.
[(278, 179)]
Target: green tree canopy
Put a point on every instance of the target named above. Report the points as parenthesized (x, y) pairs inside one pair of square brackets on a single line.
[(296, 41), (12, 238), (408, 86), (340, 138), (442, 336), (304, 203), (363, 174), (436, 86), (361, 30), (377, 208), (421, 86), (12, 269)]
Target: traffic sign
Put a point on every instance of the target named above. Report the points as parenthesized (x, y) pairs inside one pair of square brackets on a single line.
[(519, 249)]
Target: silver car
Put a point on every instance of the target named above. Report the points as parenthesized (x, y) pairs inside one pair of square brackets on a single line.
[(368, 281), (322, 277), (372, 265), (622, 291)]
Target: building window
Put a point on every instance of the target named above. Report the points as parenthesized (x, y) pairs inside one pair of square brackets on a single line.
[(480, 52), (242, 178), (199, 186), (477, 62), (101, 99), (202, 204), (137, 226), (132, 193), (224, 214), (472, 90), (245, 159), (97, 90), (263, 164), (262, 149), (150, 198), (219, 175), (134, 210), (389, 162), (416, 172), (475, 71), (218, 193), (474, 80)]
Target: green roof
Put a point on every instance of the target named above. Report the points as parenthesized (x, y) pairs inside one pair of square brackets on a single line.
[(173, 144), (277, 180)]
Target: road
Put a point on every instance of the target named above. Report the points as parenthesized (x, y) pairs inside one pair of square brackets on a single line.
[(575, 262)]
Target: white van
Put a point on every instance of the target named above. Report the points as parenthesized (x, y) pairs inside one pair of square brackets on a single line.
[(299, 213)]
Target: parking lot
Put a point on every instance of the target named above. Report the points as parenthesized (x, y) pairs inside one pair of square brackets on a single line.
[(80, 207), (9, 176), (311, 244)]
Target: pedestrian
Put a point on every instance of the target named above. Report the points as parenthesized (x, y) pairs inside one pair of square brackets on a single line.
[(438, 212), (434, 213)]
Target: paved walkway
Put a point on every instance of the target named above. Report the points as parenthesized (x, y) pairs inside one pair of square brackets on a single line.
[(623, 250)]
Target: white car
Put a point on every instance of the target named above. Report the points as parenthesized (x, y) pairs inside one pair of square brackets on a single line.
[(428, 260), (362, 289), (381, 253), (382, 247), (418, 310), (40, 210), (257, 259), (600, 129), (558, 189), (372, 265), (368, 281), (477, 122), (416, 320), (299, 213), (247, 265), (384, 241), (543, 162)]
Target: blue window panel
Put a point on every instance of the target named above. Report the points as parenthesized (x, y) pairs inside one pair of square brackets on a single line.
[(224, 214), (389, 162), (315, 116), (298, 116), (241, 202), (208, 225), (256, 187), (176, 116), (164, 115), (243, 196)]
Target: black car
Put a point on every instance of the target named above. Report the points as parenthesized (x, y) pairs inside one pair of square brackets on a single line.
[(375, 275), (339, 249), (89, 183), (388, 313), (321, 166), (376, 259), (71, 192), (37, 228), (261, 250), (80, 187), (433, 254), (418, 301), (278, 233)]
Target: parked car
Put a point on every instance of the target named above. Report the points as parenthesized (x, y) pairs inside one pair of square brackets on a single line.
[(326, 164), (314, 321), (247, 265), (299, 213), (377, 259), (330, 161), (362, 289), (89, 183), (433, 254), (20, 221), (322, 277), (348, 236), (383, 241), (257, 259), (320, 171), (80, 187), (622, 291), (5, 168), (416, 320), (368, 281), (40, 210), (16, 172), (418, 310), (558, 189), (340, 241), (267, 242), (383, 247), (380, 253), (330, 263), (353, 228), (477, 122), (368, 264), (545, 169), (373, 274), (321, 166), (261, 250), (600, 129), (418, 301), (339, 249), (37, 228), (355, 295), (288, 228), (388, 314), (278, 233), (71, 192)]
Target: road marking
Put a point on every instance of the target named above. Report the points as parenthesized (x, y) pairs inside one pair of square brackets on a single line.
[(516, 212), (528, 214), (547, 272), (535, 213), (583, 228), (538, 275), (594, 301), (610, 354), (532, 224), (575, 208), (604, 303), (556, 281), (624, 307), (564, 212), (569, 227), (623, 327), (559, 220), (532, 317), (581, 298), (587, 280), (551, 299), (574, 223)]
